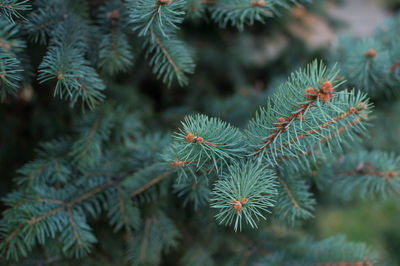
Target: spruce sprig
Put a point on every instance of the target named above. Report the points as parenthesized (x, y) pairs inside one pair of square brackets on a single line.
[(243, 193)]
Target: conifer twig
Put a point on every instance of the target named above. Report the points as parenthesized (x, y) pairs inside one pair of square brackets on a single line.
[(150, 183), (288, 192)]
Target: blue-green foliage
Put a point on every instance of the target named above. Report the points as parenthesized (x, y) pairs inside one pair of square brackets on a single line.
[(295, 202), (104, 44), (308, 122), (158, 233), (248, 184), (157, 22), (76, 179), (362, 175), (194, 191), (369, 73), (111, 168), (333, 250), (148, 16), (170, 58), (338, 249), (76, 79), (115, 51), (11, 9), (201, 148), (239, 13), (50, 167), (372, 64), (11, 67), (197, 256)]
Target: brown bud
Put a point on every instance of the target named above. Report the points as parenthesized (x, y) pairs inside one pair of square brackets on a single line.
[(371, 53)]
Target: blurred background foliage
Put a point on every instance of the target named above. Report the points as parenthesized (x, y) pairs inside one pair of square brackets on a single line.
[(235, 73)]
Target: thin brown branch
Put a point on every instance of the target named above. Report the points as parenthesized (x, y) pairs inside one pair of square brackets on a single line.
[(48, 23), (81, 85), (90, 193), (39, 171), (281, 126), (287, 190), (151, 183), (143, 246), (367, 169), (351, 110), (71, 221), (35, 220), (121, 205), (167, 55), (14, 233), (92, 133), (51, 201)]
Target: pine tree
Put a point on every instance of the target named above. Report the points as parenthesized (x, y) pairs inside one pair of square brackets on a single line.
[(118, 188)]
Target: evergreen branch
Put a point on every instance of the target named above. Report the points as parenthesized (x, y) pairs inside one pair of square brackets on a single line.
[(244, 192), (51, 167), (67, 205), (193, 190), (35, 220), (353, 123), (333, 135), (94, 130), (10, 73), (122, 212), (295, 203), (53, 220), (336, 249), (92, 133), (162, 16), (157, 21), (144, 179), (90, 193), (121, 205), (75, 78), (366, 63), (362, 175), (288, 192), (169, 57), (292, 130), (205, 143), (41, 23), (352, 110), (71, 220), (238, 13), (155, 236), (115, 51)]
